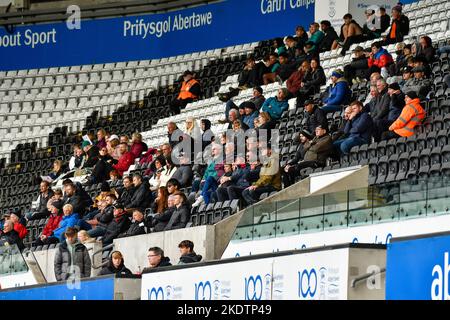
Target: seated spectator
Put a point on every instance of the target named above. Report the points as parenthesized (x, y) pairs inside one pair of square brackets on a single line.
[(192, 129), (183, 174), (257, 99), (411, 116), (137, 226), (99, 223), (125, 194), (174, 134), (78, 158), (58, 169), (207, 134), (340, 133), (269, 179), (114, 175), (357, 69), (314, 117), (125, 139), (379, 60), (351, 32), (339, 93), (275, 106), (189, 92), (291, 45), (397, 101), (173, 185), (125, 161), (294, 83), (251, 113), (112, 146), (371, 100), (301, 37), (118, 225), (156, 259), (278, 46), (272, 66), (160, 220), (10, 236), (316, 155), (105, 191), (399, 26), (250, 76), (232, 185), (148, 156), (407, 78), (312, 81), (101, 139), (403, 54), (155, 179), (18, 226), (44, 196), (358, 129), (69, 220), (142, 197), (180, 217), (52, 224), (265, 125), (74, 200), (315, 39), (84, 237), (91, 152), (330, 36), (420, 85), (137, 145), (72, 260), (282, 73), (102, 168), (380, 109), (167, 172), (187, 253), (287, 172), (116, 265), (160, 204)]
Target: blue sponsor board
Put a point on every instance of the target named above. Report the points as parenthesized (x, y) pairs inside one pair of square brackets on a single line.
[(418, 269), (153, 36), (98, 289)]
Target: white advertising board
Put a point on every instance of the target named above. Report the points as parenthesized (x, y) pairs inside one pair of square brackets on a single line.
[(17, 280), (376, 233)]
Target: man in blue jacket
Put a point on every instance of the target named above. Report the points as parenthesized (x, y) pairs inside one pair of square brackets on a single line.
[(70, 219), (232, 186), (339, 92), (250, 114), (358, 129), (275, 106)]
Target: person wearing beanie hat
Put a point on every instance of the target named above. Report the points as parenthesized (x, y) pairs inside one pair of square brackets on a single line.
[(419, 84), (250, 114), (399, 26), (339, 92), (411, 116)]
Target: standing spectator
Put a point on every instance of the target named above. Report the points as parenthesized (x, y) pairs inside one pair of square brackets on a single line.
[(339, 92), (125, 161), (357, 69), (116, 265), (10, 236), (137, 145), (190, 91), (180, 217), (118, 225), (351, 32), (78, 158), (137, 226), (101, 139), (330, 36), (412, 115), (156, 259), (46, 193), (315, 38), (52, 224), (275, 106), (358, 129), (314, 117), (269, 179), (399, 27), (289, 170), (72, 260), (385, 20), (379, 60), (187, 252)]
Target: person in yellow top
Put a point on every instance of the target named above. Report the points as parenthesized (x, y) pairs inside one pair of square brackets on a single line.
[(190, 91), (412, 115)]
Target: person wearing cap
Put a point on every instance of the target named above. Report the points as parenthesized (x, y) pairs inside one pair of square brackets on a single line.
[(379, 60), (316, 155), (190, 91), (420, 85), (357, 69), (351, 32), (287, 172), (407, 78), (250, 114), (339, 92), (330, 35), (358, 129), (411, 116), (399, 26), (118, 225), (275, 106), (52, 224), (314, 117)]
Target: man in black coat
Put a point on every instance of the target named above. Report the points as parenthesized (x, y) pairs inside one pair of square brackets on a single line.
[(314, 117), (142, 197), (329, 38), (187, 253), (137, 227), (358, 67), (156, 259), (380, 110), (41, 211), (10, 236), (120, 224), (182, 213), (73, 199)]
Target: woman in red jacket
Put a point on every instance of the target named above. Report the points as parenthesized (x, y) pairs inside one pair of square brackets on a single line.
[(52, 224)]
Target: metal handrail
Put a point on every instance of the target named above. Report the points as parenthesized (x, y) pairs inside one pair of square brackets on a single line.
[(105, 248), (366, 276)]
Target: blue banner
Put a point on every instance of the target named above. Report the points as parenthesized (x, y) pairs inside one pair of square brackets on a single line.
[(99, 289), (418, 269), (206, 27)]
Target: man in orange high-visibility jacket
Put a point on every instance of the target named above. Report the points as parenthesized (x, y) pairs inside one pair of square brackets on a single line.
[(411, 116), (190, 91)]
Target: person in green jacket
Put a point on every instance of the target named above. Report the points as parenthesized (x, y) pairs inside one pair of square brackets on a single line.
[(316, 37)]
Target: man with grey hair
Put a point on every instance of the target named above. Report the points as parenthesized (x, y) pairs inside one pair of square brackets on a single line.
[(70, 219), (10, 236), (233, 115), (379, 110)]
